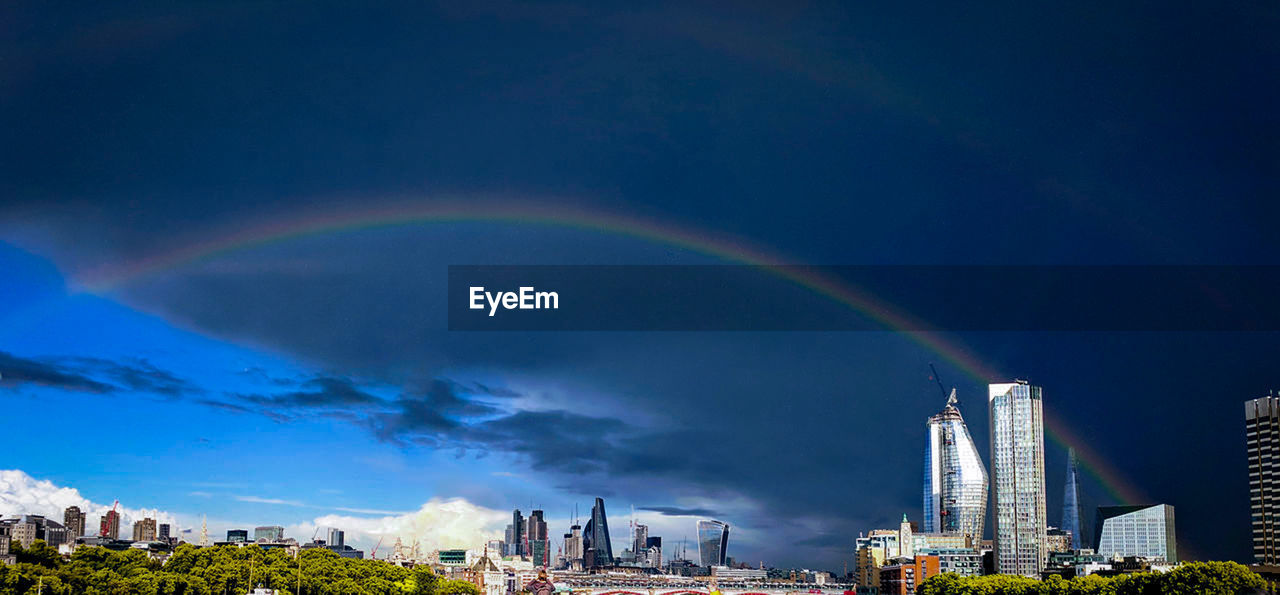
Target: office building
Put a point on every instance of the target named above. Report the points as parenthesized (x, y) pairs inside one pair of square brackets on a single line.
[(885, 540), (955, 480), (713, 542), (1017, 478), (515, 535), (237, 535), (538, 542), (639, 540), (901, 575), (269, 534), (144, 530), (573, 544), (1137, 531), (337, 538), (162, 534), (109, 525), (74, 520), (597, 551), (1262, 437), (1071, 503)]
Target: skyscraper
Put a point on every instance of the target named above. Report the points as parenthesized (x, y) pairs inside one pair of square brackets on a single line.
[(337, 538), (713, 542), (573, 544), (1262, 434), (109, 525), (73, 519), (955, 480), (596, 549), (1017, 478), (539, 543), (1071, 502), (515, 534)]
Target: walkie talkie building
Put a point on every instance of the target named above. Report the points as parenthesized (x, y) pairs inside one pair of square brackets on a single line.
[(955, 481)]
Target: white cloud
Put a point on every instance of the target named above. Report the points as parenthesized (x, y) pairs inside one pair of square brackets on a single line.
[(22, 494), (439, 524)]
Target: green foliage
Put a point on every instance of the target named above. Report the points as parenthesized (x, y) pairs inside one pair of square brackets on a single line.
[(193, 570), (457, 587), (1198, 578)]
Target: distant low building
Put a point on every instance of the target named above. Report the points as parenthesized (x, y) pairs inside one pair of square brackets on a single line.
[(738, 574), (28, 528), (961, 561), (1058, 540), (237, 535), (270, 533)]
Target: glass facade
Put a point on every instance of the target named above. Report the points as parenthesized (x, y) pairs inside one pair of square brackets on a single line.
[(955, 480), (1143, 531), (596, 548), (1017, 478), (1071, 502), (713, 542)]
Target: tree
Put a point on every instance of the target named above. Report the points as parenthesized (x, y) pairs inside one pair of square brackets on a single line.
[(458, 587)]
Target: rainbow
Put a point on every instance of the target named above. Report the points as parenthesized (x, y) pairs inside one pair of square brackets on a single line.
[(107, 279)]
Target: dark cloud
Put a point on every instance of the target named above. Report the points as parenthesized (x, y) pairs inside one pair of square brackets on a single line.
[(94, 375), (16, 370), (316, 393), (676, 511)]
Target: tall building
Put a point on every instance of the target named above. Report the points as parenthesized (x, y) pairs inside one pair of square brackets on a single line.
[(596, 548), (713, 542), (269, 533), (1017, 478), (639, 541), (162, 533), (1262, 434), (538, 543), (1142, 531), (109, 525), (1071, 502), (955, 480), (337, 538), (573, 544), (144, 530), (74, 520), (515, 534)]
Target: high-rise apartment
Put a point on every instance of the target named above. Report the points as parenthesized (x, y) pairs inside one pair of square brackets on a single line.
[(955, 480), (144, 530), (1017, 477), (74, 520), (1262, 436), (109, 525)]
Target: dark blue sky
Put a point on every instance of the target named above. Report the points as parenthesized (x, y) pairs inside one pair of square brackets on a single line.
[(836, 134)]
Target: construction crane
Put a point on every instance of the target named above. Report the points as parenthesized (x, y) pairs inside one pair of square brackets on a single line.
[(374, 555), (103, 529)]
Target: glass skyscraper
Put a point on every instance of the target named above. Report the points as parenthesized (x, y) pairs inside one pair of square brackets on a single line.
[(713, 542), (1017, 477), (955, 481), (1144, 531), (1071, 502), (596, 549)]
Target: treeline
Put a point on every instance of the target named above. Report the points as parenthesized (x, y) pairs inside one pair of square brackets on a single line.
[(194, 570), (1195, 578)]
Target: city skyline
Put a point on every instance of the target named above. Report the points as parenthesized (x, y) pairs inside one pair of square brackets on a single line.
[(227, 235)]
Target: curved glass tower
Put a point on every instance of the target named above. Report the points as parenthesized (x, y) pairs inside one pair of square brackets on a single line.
[(713, 541), (955, 481)]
